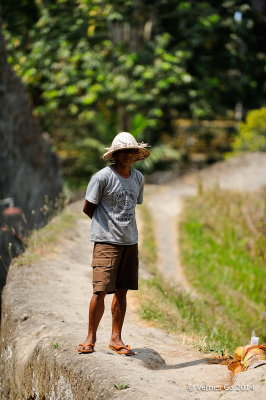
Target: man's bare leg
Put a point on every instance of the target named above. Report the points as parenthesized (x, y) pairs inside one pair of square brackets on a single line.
[(119, 305), (96, 310)]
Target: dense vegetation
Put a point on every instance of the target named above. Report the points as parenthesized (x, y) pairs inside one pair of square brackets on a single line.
[(93, 67)]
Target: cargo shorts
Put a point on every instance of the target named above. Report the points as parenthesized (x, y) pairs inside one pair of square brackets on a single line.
[(114, 267)]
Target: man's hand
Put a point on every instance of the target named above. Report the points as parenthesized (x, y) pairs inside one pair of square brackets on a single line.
[(89, 208)]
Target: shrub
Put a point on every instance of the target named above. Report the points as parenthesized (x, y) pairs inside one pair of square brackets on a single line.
[(252, 133)]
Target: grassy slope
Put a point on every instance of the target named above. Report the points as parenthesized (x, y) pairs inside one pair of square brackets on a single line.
[(223, 251), (42, 242)]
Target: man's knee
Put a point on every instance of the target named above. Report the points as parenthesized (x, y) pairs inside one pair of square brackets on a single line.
[(121, 292), (99, 295)]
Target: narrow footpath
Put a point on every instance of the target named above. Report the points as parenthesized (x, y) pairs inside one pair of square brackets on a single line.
[(45, 317), (45, 307), (165, 205)]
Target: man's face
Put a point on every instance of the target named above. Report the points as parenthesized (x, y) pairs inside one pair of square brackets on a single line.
[(126, 156)]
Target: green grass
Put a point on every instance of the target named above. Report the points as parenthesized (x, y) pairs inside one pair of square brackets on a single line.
[(42, 241), (223, 247), (176, 312), (173, 309), (224, 261)]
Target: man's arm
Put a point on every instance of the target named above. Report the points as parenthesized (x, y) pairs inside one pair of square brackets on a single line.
[(89, 208)]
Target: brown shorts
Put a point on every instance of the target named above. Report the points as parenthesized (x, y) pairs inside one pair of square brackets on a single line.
[(114, 267)]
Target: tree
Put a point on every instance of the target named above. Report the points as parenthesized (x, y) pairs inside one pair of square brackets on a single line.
[(96, 67)]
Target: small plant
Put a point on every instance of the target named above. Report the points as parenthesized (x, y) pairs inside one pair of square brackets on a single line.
[(121, 386), (55, 345)]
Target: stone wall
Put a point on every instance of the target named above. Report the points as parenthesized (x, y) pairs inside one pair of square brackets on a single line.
[(29, 170)]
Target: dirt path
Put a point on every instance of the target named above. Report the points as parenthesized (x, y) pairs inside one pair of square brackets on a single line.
[(163, 366), (246, 172), (49, 299), (165, 205)]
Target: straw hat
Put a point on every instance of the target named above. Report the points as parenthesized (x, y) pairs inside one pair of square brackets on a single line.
[(125, 140)]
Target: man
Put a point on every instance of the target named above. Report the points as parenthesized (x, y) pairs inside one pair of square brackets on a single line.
[(110, 202)]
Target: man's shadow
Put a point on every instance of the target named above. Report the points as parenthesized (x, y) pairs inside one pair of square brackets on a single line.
[(151, 359)]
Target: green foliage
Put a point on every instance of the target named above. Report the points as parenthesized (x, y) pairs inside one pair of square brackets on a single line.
[(159, 154), (96, 67), (252, 133)]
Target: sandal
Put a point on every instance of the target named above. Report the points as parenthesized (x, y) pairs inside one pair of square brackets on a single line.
[(91, 350), (122, 350)]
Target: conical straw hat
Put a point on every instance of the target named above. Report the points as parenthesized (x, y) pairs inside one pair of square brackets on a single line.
[(125, 140)]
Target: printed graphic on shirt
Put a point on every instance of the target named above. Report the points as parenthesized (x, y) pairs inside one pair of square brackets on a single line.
[(123, 206)]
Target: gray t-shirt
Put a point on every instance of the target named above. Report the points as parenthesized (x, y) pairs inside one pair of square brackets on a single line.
[(116, 198)]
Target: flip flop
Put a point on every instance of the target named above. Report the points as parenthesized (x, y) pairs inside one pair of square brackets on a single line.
[(85, 345), (119, 350)]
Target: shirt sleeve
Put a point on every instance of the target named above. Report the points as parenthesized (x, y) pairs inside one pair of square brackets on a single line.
[(141, 191), (94, 190)]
